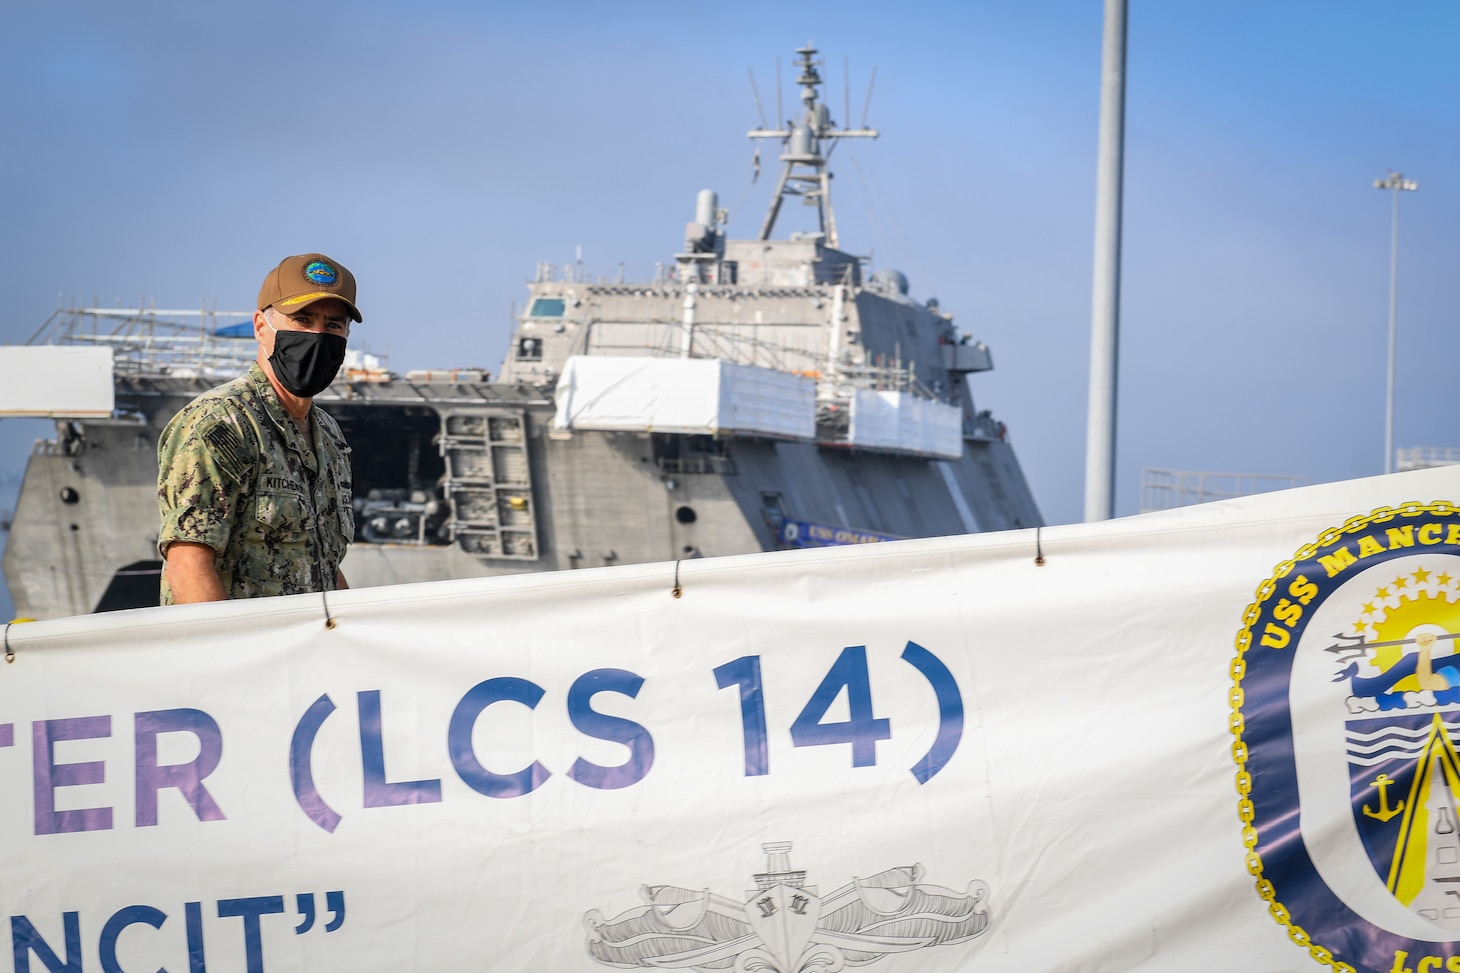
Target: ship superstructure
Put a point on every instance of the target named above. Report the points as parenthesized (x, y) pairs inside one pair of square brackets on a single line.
[(755, 395)]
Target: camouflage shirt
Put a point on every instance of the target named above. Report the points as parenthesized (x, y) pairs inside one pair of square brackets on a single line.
[(235, 474)]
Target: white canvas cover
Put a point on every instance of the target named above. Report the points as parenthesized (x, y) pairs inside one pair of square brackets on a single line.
[(905, 423), (686, 395), (64, 381), (1125, 755)]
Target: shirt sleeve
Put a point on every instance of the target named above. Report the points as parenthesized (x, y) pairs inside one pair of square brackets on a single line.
[(202, 468)]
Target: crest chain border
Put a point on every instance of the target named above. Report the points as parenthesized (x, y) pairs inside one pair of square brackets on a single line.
[(1245, 809)]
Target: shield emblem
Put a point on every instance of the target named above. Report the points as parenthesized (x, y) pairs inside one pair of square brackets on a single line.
[(784, 917), (1405, 779), (1403, 765)]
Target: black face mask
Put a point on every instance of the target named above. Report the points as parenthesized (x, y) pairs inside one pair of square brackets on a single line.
[(305, 362)]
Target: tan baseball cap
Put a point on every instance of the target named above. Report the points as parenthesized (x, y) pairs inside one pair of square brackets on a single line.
[(301, 280)]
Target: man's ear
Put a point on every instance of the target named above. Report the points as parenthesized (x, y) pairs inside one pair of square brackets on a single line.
[(263, 331)]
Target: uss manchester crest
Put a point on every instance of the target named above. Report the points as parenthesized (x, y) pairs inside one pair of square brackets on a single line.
[(1346, 717), (784, 925)]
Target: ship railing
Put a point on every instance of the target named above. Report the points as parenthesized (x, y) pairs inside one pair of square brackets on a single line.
[(67, 324), (880, 376), (1426, 457), (833, 377), (746, 349), (146, 341), (151, 343), (1164, 489), (708, 342), (182, 356)]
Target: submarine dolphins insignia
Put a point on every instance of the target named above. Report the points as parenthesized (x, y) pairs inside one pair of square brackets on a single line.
[(784, 926), (321, 273)]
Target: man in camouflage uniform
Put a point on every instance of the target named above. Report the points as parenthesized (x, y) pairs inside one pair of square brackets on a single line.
[(253, 482)]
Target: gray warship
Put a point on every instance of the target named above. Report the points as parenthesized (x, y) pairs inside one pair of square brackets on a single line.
[(756, 394)]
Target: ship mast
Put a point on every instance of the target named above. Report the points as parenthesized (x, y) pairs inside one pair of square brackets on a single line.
[(805, 172)]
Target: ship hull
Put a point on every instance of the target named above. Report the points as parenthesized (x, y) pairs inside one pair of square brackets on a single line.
[(85, 527)]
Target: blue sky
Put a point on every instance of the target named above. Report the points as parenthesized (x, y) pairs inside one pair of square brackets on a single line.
[(172, 152)]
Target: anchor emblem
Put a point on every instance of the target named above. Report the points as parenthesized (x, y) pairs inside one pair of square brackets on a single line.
[(1385, 812)]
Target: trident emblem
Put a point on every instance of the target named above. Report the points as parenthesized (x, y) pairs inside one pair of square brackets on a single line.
[(1385, 812)]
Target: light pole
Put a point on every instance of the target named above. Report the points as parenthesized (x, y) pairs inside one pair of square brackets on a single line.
[(1105, 297), (1396, 182)]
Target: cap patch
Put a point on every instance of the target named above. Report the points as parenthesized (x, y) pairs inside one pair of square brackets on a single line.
[(320, 273)]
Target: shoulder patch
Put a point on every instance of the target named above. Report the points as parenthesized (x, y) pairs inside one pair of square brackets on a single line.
[(229, 450)]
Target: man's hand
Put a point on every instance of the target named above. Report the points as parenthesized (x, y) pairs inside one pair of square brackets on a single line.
[(191, 574)]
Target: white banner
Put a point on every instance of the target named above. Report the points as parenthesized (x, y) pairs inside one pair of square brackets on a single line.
[(56, 380), (904, 422), (923, 755), (691, 395)]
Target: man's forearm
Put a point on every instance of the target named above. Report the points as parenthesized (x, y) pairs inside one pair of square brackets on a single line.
[(191, 574)]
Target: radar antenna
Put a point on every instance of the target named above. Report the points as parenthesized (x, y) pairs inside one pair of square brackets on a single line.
[(805, 171)]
